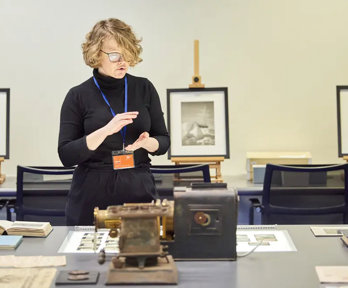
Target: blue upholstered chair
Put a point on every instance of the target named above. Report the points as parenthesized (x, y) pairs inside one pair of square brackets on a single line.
[(42, 193), (303, 194)]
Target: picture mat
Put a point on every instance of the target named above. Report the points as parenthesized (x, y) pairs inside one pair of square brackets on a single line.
[(73, 239), (344, 120), (218, 98), (328, 231), (28, 277), (332, 275), (284, 242), (3, 123)]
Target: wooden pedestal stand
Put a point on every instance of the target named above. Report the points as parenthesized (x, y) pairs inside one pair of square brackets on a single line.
[(2, 176), (214, 163)]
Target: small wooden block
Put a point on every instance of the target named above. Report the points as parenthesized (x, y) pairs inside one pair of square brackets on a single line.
[(165, 272), (2, 178), (344, 240)]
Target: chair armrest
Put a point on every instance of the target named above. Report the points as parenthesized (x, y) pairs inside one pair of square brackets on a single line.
[(254, 205), (255, 202), (10, 208)]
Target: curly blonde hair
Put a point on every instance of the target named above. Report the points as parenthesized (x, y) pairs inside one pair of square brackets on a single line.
[(118, 30)]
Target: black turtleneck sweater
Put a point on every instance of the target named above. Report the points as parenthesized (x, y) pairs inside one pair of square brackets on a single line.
[(84, 111)]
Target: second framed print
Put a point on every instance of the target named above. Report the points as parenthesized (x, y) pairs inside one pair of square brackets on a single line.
[(4, 122), (198, 122), (342, 120)]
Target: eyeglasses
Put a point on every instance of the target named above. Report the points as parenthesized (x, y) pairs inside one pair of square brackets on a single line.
[(114, 56)]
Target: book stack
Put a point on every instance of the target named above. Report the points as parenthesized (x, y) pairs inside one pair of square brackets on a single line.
[(8, 242)]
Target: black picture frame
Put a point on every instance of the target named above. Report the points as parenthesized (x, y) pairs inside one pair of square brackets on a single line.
[(5, 123), (342, 118), (192, 115)]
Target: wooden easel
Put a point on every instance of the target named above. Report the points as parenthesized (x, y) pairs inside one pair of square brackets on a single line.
[(2, 176), (214, 162)]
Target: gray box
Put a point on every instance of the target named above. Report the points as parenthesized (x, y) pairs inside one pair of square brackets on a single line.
[(259, 173)]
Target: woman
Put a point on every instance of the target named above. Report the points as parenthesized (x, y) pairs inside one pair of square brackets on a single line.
[(106, 119)]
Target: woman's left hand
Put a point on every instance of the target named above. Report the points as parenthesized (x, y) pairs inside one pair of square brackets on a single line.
[(144, 141)]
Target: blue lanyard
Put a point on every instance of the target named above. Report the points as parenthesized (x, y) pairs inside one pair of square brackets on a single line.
[(123, 131)]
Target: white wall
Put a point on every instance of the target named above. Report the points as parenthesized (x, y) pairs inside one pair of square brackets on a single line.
[(281, 61)]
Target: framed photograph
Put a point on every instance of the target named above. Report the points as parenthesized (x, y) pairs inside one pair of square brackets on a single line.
[(198, 122), (342, 120), (4, 123)]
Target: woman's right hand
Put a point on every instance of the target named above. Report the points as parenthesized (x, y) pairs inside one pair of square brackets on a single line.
[(97, 137), (119, 121)]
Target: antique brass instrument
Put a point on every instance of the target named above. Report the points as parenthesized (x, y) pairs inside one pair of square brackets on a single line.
[(142, 258), (110, 219)]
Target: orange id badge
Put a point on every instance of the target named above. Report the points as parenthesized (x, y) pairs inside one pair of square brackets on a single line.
[(122, 159)]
